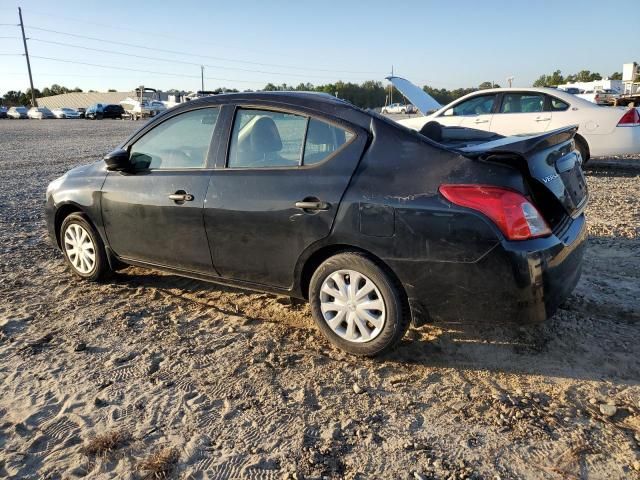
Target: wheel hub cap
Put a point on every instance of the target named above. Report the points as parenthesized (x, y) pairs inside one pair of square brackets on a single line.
[(79, 248), (352, 306)]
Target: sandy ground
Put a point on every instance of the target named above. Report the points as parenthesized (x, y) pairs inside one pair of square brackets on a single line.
[(152, 373)]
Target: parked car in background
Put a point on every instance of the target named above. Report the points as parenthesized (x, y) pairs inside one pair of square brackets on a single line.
[(16, 113), (66, 113), (136, 109), (521, 111), (3, 112), (99, 111), (308, 196), (572, 90), (600, 97), (40, 113), (399, 108), (81, 111)]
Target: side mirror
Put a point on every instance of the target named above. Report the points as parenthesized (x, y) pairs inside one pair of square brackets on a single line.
[(118, 160)]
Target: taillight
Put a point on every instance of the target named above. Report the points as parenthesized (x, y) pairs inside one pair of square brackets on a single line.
[(631, 118), (514, 215)]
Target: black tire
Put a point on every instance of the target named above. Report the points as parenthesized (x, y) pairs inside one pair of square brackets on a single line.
[(398, 315), (582, 147), (101, 269)]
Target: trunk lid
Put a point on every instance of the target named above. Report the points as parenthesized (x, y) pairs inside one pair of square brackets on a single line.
[(551, 164)]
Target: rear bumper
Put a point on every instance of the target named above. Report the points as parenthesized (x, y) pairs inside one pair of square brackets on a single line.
[(519, 282), (622, 141)]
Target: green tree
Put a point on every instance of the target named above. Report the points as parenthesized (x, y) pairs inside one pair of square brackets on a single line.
[(555, 78), (616, 76)]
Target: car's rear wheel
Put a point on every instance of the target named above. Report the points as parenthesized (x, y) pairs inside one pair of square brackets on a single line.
[(83, 249), (358, 305), (583, 149)]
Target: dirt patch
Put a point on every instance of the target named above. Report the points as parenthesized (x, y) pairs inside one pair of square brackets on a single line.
[(241, 385)]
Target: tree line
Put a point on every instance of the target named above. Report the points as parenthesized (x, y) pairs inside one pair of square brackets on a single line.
[(368, 94)]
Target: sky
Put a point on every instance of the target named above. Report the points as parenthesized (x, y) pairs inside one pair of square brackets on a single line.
[(246, 44)]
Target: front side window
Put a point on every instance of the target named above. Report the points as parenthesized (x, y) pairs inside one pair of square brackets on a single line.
[(264, 138), (522, 103), (180, 142), (480, 105)]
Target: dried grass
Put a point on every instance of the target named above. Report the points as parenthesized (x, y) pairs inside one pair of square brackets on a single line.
[(106, 442), (160, 463)]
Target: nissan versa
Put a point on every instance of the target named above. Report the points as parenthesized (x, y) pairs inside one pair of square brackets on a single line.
[(308, 196)]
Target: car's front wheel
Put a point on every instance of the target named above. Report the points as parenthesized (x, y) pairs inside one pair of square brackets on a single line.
[(358, 305), (83, 249)]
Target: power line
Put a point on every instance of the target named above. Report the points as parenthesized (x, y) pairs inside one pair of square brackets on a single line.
[(146, 57), (12, 54), (140, 71), (226, 59), (140, 32)]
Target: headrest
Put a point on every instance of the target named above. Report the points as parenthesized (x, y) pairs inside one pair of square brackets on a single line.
[(320, 133), (264, 136)]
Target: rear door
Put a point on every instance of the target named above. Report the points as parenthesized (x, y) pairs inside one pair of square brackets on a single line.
[(278, 191), (474, 112), (155, 215), (521, 113)]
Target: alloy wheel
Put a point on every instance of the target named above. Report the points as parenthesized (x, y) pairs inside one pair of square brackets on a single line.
[(79, 248), (352, 306)]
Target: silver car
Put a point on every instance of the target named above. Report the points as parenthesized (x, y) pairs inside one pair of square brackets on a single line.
[(39, 113), (65, 112), (16, 113)]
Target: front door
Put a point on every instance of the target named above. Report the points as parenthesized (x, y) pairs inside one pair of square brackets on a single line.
[(279, 193), (475, 112), (521, 113), (155, 214)]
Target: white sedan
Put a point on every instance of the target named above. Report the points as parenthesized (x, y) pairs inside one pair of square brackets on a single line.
[(66, 113), (602, 131)]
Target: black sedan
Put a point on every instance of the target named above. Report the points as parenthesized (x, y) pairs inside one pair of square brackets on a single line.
[(306, 195)]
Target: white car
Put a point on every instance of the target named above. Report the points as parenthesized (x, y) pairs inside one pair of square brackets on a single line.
[(398, 108), (39, 113), (602, 131), (66, 113)]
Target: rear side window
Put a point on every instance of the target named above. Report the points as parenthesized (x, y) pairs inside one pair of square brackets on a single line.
[(322, 140), (522, 103), (556, 105), (267, 139), (179, 142)]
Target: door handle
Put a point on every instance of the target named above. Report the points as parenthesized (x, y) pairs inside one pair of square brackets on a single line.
[(545, 119), (313, 205), (181, 197), (481, 121)]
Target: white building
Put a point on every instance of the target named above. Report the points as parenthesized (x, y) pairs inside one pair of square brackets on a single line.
[(605, 84)]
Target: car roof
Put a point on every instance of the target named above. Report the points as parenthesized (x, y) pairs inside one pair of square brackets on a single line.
[(318, 101), (561, 94)]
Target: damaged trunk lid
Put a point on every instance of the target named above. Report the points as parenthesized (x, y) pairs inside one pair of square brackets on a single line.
[(551, 164)]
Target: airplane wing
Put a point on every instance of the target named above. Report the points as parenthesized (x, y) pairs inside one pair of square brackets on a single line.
[(421, 99)]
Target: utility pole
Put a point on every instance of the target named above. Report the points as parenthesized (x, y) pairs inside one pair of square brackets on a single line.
[(202, 76), (34, 103), (391, 88)]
